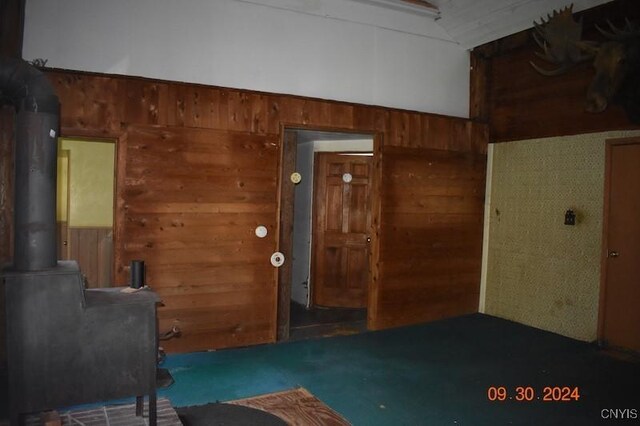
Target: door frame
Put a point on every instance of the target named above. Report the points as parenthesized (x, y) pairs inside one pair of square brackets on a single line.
[(609, 145), (119, 138), (284, 285)]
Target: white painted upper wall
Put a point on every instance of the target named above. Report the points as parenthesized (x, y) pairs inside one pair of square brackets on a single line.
[(331, 49)]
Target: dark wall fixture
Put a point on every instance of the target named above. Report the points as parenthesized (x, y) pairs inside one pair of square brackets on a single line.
[(569, 217), (65, 344)]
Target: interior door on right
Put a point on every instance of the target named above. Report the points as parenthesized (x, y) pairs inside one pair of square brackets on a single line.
[(621, 324), (342, 220)]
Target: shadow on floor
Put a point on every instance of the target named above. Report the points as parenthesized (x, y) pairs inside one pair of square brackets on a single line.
[(319, 321)]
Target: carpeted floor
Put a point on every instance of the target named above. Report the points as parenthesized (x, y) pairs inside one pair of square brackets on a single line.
[(432, 374)]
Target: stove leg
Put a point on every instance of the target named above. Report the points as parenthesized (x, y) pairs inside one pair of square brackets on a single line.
[(153, 409), (139, 405)]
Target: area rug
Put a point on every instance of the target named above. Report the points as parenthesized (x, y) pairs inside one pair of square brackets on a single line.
[(297, 407)]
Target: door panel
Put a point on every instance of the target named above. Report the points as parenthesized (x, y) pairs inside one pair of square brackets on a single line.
[(622, 287), (341, 226)]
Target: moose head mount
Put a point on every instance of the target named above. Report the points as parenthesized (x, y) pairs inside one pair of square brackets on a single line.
[(616, 60)]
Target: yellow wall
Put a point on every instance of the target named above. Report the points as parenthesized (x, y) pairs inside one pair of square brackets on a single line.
[(63, 184), (91, 183), (541, 272)]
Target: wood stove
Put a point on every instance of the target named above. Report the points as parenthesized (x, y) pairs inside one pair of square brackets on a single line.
[(65, 344)]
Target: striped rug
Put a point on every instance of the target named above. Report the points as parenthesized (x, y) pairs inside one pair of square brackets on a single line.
[(298, 407)]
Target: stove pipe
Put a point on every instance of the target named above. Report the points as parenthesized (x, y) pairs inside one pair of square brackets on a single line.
[(36, 148)]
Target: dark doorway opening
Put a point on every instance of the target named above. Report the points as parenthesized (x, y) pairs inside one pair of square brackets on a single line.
[(303, 316)]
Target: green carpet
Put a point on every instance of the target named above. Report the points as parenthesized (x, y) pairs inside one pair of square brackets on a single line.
[(432, 374)]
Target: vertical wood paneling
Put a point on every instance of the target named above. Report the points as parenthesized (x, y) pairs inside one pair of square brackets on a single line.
[(6, 184), (93, 249), (11, 28), (371, 118), (197, 172), (519, 103), (146, 102), (6, 209), (89, 102)]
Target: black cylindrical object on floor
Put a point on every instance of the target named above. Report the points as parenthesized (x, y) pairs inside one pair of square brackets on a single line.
[(137, 273)]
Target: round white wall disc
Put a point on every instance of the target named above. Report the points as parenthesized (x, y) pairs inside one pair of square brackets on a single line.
[(277, 259), (261, 231), (296, 177)]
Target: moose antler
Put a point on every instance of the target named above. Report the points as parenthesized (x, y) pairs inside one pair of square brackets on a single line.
[(631, 29), (560, 39)]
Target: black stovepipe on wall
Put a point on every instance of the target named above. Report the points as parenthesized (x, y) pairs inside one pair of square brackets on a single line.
[(36, 147)]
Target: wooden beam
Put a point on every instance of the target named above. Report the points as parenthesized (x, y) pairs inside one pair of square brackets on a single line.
[(11, 27)]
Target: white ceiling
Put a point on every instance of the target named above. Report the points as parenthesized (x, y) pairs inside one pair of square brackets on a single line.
[(471, 23)]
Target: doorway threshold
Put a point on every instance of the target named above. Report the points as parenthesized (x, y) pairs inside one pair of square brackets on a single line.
[(325, 322)]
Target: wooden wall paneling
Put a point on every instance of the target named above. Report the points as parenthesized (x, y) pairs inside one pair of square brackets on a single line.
[(192, 105), (193, 198), (90, 103), (239, 111), (7, 126), (375, 265), (522, 104), (274, 114), (479, 82), (188, 198), (431, 235), (92, 247), (371, 118), (7, 115), (438, 132), (11, 27), (292, 110), (247, 112), (398, 132), (146, 102), (120, 273)]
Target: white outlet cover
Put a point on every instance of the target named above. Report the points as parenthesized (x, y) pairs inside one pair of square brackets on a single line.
[(261, 231), (277, 259)]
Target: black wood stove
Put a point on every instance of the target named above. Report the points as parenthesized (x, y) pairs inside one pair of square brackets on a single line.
[(65, 344)]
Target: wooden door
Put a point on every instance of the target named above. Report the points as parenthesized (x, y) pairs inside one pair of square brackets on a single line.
[(620, 316), (342, 222)]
